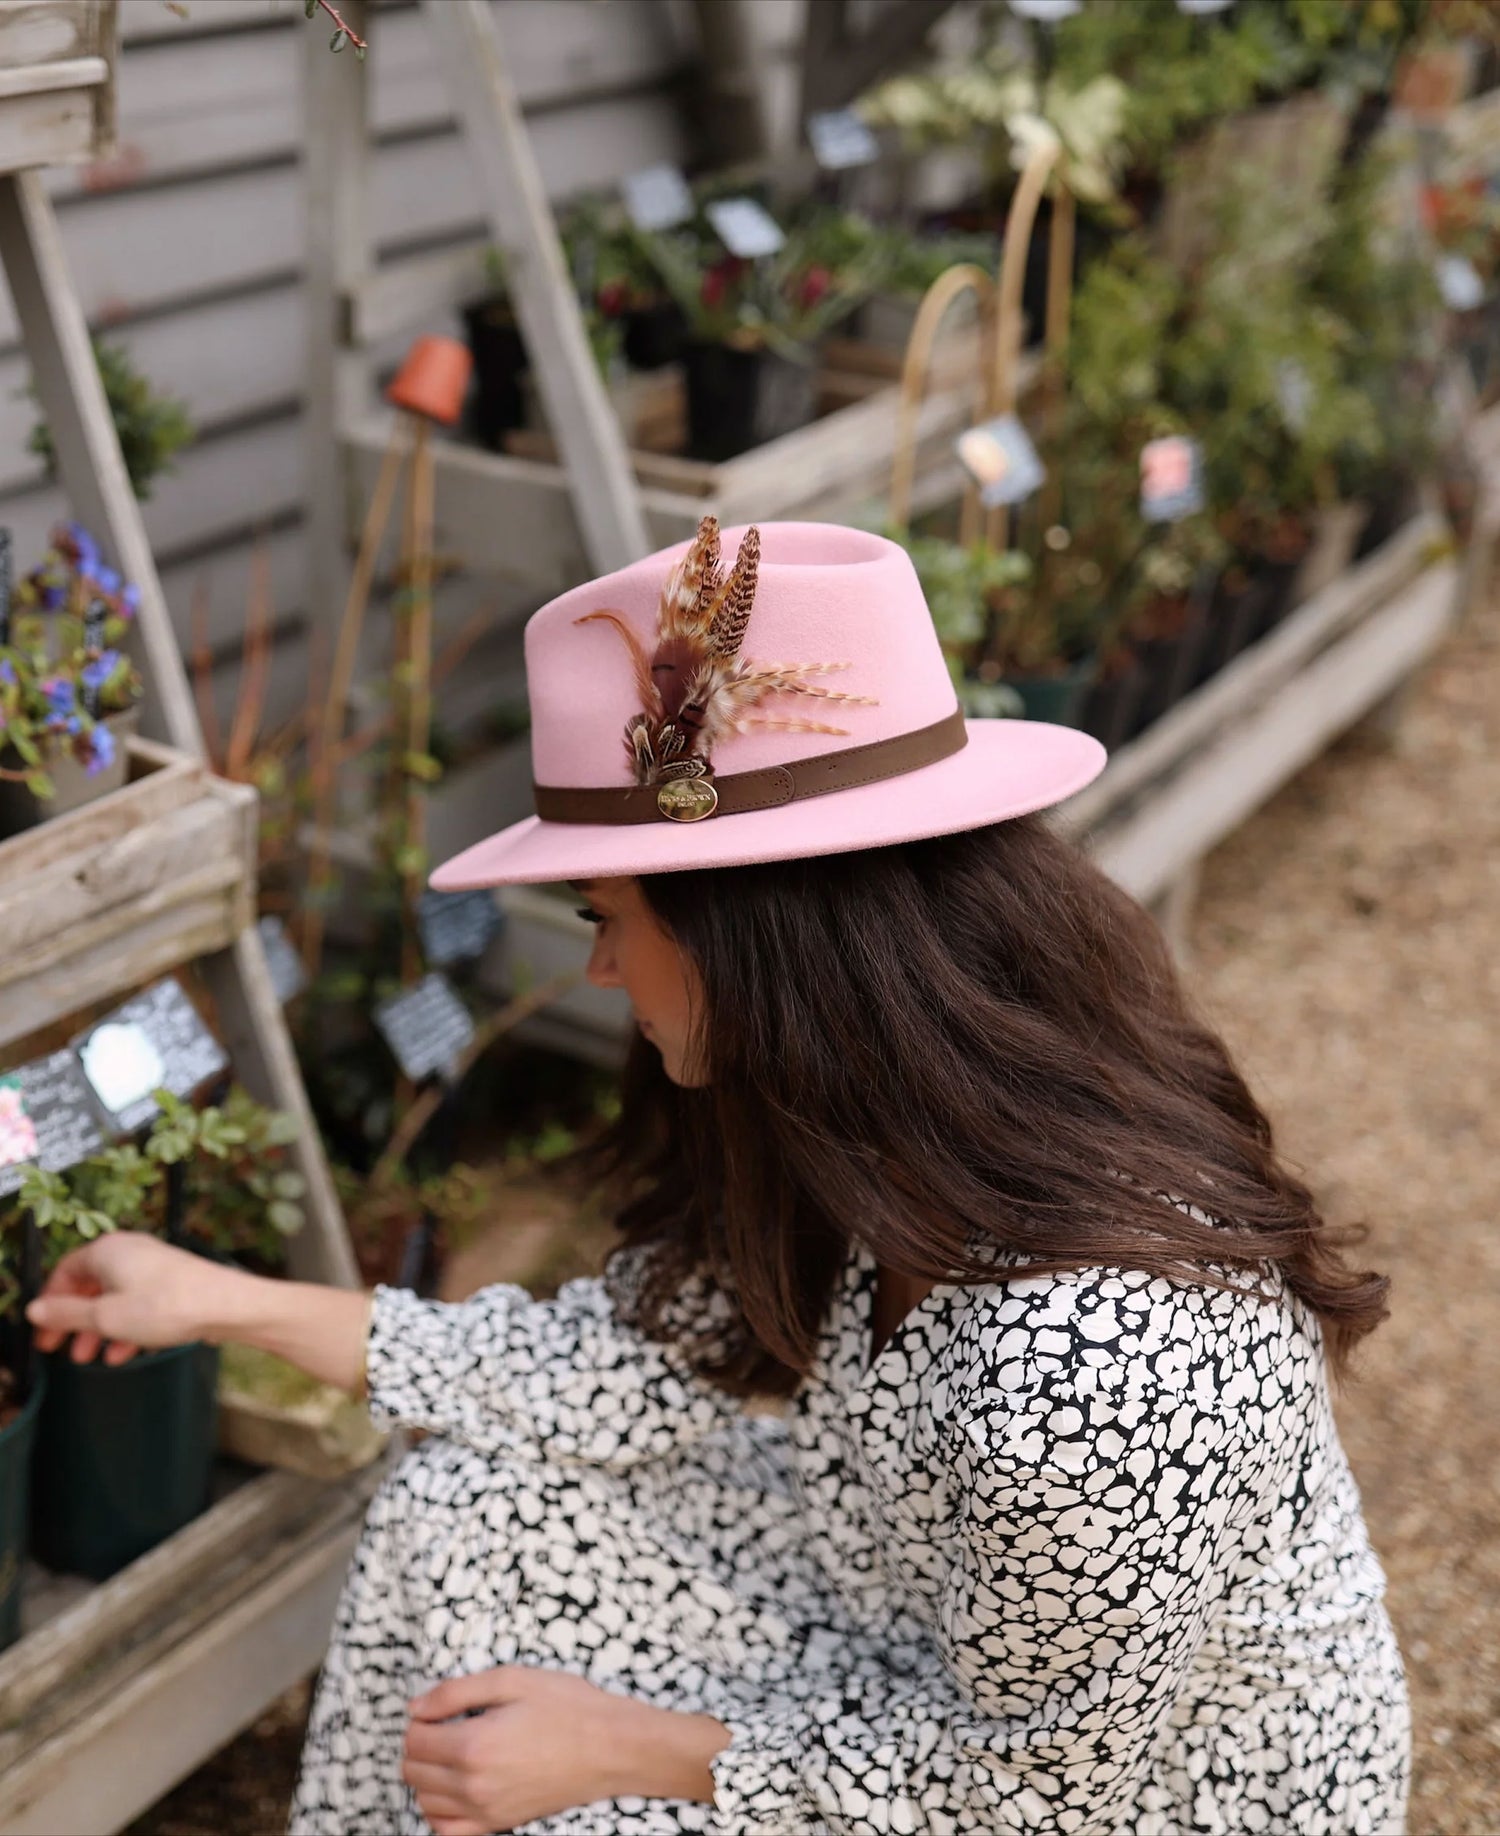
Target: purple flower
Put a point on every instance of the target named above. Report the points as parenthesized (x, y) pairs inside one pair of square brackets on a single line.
[(106, 579), (60, 694), (88, 548), (7, 670), (98, 670), (101, 751), (130, 599)]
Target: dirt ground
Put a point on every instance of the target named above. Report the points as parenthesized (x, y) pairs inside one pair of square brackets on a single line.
[(1347, 943)]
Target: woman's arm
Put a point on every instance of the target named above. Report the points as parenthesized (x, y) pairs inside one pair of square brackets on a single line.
[(127, 1291)]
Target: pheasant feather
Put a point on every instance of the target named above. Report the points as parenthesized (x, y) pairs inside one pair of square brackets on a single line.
[(695, 688)]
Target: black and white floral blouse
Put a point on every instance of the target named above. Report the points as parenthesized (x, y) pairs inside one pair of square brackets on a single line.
[(1078, 1553)]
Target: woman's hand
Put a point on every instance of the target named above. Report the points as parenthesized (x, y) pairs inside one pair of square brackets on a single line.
[(546, 1741), (126, 1291)]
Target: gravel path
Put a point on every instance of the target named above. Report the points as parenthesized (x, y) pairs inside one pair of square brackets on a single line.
[(1347, 942)]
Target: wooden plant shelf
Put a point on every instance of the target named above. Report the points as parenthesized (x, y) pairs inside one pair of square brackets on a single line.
[(508, 514), (57, 90), (128, 887), (117, 1691), (1197, 773)]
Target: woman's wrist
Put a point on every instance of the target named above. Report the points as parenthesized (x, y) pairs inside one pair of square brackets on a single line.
[(321, 1330), (664, 1753)]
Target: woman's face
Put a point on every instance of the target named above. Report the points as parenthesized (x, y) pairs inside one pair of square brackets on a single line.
[(633, 951)]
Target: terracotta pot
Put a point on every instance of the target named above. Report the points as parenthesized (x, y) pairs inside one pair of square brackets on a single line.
[(433, 380), (19, 809)]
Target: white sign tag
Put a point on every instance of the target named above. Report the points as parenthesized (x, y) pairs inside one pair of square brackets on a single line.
[(1171, 479), (839, 140), (746, 229), (1001, 459), (656, 198), (1459, 283)]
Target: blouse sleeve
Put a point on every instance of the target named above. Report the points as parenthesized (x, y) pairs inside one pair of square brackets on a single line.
[(1089, 1539), (564, 1378)]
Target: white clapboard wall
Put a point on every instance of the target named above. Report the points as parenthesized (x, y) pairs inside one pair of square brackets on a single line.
[(187, 246)]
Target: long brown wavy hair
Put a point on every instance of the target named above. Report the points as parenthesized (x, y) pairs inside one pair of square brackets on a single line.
[(946, 1049)]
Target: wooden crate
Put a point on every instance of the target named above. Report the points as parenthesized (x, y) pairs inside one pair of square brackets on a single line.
[(115, 1692), (57, 81), (124, 889)]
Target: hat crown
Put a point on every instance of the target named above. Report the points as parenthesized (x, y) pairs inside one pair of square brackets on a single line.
[(825, 596)]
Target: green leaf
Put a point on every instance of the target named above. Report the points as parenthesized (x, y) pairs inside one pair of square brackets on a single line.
[(421, 765), (285, 1217), (339, 40), (311, 8)]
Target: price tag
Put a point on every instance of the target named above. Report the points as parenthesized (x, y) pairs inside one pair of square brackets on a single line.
[(47, 1116), (427, 1028), (840, 140), (1047, 11), (1171, 479), (746, 229), (1293, 393), (288, 971), (156, 1040), (657, 198), (456, 927), (1459, 283), (1001, 459)]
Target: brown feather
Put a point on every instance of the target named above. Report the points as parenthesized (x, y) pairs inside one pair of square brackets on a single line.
[(730, 612), (645, 686), (692, 586)]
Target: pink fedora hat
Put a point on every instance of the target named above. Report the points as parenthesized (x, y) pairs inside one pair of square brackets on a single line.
[(692, 712)]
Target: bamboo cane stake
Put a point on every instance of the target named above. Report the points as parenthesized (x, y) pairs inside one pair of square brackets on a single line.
[(418, 626), (916, 366), (1059, 318)]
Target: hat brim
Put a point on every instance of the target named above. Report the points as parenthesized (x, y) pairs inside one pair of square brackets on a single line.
[(1008, 768)]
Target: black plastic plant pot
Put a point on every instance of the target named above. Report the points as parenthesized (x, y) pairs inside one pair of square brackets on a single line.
[(1277, 579), (499, 363), (124, 1456), (1235, 615), (1109, 706), (1057, 698), (654, 335), (737, 400), (1390, 506), (17, 1440), (1170, 664)]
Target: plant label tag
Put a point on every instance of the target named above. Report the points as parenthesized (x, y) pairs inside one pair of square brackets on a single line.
[(1001, 459), (427, 1028), (1048, 12), (457, 927), (156, 1041), (840, 140), (656, 198), (1293, 393), (288, 971), (746, 229), (1171, 479), (1459, 283), (47, 1117)]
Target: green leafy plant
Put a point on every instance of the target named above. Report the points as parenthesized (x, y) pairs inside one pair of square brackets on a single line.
[(152, 428), (243, 1199)]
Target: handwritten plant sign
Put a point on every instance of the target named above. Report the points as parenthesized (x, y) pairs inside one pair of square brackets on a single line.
[(457, 927), (156, 1041), (47, 1119), (427, 1027)]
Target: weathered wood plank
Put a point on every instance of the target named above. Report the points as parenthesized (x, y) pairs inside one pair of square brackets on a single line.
[(46, 129), (41, 79), (161, 781), (37, 32)]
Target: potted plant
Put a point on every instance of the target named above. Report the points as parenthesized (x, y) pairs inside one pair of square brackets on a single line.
[(754, 326), (69, 694), (124, 1452), (499, 354), (959, 583), (151, 427), (1167, 612)]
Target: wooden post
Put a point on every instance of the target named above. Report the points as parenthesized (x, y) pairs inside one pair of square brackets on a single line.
[(338, 388), (588, 435)]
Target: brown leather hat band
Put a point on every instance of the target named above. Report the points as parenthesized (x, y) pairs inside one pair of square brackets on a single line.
[(692, 799)]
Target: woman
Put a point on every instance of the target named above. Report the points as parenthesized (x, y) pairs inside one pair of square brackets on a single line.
[(1053, 1532)]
